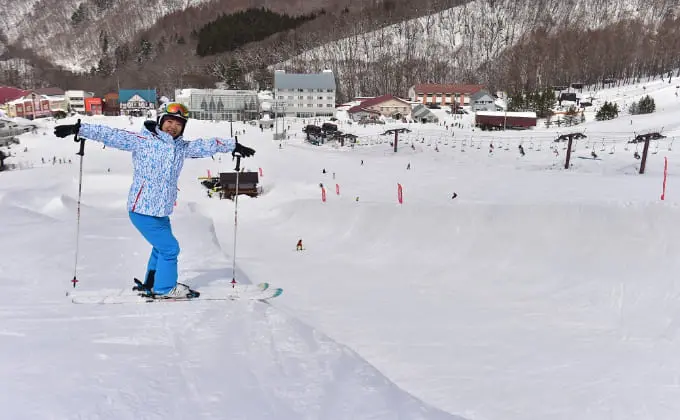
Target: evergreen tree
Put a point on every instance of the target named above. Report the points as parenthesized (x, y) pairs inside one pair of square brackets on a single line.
[(234, 75), (229, 32), (608, 111), (571, 116), (545, 103), (79, 15), (104, 41), (646, 105), (104, 67), (263, 77), (144, 52)]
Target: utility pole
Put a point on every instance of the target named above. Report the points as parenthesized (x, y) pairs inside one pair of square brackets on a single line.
[(570, 139), (396, 132), (646, 138)]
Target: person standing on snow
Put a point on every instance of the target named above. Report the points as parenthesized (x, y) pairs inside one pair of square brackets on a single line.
[(158, 154)]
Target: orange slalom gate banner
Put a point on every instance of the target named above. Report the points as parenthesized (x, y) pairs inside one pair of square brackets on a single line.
[(400, 196), (665, 175), (323, 194), (260, 171), (337, 189)]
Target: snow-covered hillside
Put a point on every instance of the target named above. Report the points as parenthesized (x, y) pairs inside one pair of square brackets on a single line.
[(47, 28), (537, 293), (478, 31)]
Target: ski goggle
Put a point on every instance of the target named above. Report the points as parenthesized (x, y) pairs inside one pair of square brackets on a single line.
[(175, 108)]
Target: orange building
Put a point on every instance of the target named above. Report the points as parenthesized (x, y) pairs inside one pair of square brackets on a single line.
[(93, 106)]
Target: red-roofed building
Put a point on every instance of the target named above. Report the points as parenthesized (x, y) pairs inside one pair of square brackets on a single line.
[(8, 93), (386, 105), (446, 94), (29, 106), (50, 91)]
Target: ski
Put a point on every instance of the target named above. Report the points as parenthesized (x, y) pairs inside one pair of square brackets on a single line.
[(258, 292)]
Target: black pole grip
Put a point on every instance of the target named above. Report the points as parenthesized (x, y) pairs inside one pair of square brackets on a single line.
[(81, 151)]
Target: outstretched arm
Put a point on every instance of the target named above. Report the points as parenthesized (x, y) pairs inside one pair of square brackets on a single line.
[(113, 137), (207, 147)]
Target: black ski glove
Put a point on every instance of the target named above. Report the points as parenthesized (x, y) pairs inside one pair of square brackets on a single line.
[(243, 150), (66, 130)]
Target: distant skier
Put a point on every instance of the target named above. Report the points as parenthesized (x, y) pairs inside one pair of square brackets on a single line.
[(521, 150), (299, 247), (453, 197), (158, 154)]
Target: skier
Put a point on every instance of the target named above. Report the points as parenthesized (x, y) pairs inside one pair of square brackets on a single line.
[(158, 154), (299, 247)]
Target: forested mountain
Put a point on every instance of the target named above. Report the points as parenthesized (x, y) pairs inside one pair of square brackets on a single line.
[(374, 46)]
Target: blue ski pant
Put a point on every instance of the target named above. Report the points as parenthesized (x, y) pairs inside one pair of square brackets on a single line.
[(163, 259)]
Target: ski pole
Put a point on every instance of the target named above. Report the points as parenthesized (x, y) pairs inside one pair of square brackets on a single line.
[(81, 153), (237, 169)]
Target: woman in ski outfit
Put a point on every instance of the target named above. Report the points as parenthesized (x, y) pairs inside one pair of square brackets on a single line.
[(158, 154)]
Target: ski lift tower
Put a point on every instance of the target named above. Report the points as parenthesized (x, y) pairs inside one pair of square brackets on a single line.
[(279, 107)]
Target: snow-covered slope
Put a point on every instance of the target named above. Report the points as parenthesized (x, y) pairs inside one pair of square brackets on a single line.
[(477, 31), (47, 28), (234, 360), (537, 293)]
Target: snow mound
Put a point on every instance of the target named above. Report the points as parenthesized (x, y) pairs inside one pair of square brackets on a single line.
[(235, 360)]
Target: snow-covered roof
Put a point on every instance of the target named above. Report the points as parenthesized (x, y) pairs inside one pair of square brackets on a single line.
[(526, 114)]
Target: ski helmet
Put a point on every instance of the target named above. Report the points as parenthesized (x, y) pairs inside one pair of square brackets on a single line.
[(175, 110)]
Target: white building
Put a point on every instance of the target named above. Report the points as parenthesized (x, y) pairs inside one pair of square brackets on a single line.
[(220, 104), (482, 101), (75, 100), (306, 95)]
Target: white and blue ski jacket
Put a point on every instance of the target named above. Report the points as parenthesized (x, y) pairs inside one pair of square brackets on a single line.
[(157, 159)]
